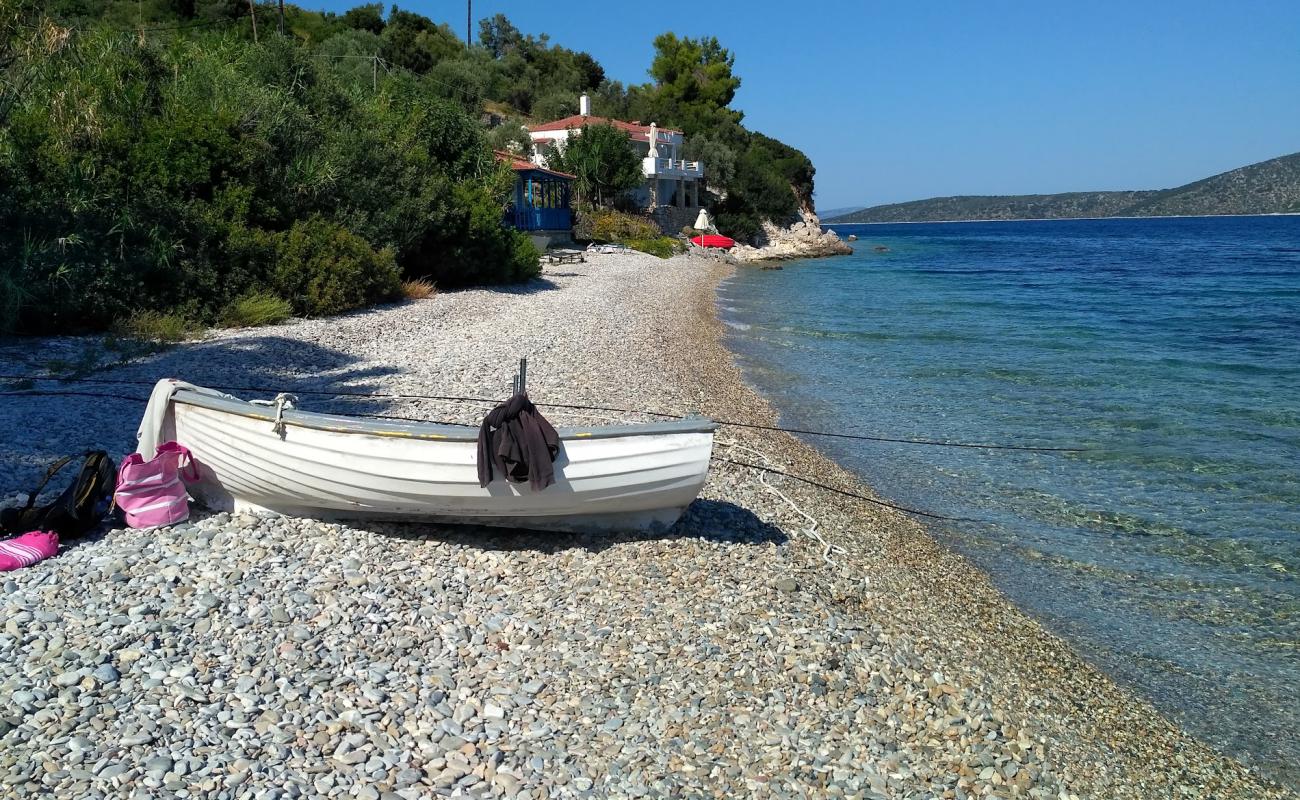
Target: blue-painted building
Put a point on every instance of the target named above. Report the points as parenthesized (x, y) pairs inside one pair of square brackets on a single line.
[(543, 197)]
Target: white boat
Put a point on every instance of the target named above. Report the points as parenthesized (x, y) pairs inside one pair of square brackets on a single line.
[(254, 457)]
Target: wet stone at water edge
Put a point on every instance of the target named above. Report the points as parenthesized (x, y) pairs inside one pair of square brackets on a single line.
[(247, 657)]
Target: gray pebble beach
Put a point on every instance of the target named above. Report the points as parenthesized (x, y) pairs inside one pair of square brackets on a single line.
[(265, 657)]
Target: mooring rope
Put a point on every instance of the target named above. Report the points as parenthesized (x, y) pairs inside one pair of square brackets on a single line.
[(811, 530), (577, 407), (844, 492), (760, 468)]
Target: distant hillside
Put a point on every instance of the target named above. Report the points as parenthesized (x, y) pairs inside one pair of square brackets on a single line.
[(838, 212), (1269, 187)]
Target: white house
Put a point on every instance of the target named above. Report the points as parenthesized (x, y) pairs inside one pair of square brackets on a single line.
[(670, 181)]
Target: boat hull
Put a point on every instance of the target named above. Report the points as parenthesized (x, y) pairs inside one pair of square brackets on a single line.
[(714, 240), (632, 478)]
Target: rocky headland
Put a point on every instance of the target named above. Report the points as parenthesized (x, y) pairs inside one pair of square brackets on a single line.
[(802, 239)]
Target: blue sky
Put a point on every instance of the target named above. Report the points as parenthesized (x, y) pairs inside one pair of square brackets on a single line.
[(903, 100)]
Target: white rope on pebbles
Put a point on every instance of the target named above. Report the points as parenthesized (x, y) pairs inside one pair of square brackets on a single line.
[(811, 530)]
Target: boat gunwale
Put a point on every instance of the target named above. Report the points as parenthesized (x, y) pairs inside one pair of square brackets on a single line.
[(430, 431)]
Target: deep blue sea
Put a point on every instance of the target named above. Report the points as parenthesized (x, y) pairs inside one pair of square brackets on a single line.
[(1169, 551)]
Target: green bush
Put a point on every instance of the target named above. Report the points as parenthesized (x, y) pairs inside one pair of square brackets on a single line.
[(599, 225), (150, 163), (525, 259), (170, 175), (661, 246), (256, 309), (636, 232), (470, 246), (321, 268), (11, 301), (601, 162), (154, 326)]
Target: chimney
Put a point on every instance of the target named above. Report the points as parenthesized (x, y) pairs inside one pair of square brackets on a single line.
[(584, 106)]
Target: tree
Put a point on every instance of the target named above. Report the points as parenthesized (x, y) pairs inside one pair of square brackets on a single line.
[(413, 41), (556, 105), (511, 136), (718, 157), (610, 99), (593, 74), (694, 84), (350, 54), (499, 35), (601, 161), (369, 17), (27, 41)]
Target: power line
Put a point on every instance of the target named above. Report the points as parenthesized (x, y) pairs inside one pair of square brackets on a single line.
[(721, 459), (469, 95), (189, 25), (577, 407)]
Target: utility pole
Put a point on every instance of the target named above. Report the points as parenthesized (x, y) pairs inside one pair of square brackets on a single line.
[(469, 23), (252, 12), (281, 17)]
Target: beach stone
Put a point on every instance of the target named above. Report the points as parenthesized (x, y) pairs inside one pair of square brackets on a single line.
[(259, 656)]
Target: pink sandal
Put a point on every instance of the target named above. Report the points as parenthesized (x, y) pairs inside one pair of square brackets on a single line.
[(23, 551)]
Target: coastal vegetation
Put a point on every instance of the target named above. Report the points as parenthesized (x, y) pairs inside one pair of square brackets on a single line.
[(418, 289), (173, 156), (1269, 187), (629, 230), (600, 162), (256, 309)]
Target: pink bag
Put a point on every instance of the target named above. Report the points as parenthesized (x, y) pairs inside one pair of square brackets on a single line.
[(151, 492)]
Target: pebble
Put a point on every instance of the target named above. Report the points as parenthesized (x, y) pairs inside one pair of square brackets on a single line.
[(242, 657)]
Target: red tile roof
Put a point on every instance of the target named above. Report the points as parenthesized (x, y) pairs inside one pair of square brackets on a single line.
[(519, 164), (577, 121)]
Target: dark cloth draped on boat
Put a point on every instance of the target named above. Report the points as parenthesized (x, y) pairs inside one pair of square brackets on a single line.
[(516, 441)]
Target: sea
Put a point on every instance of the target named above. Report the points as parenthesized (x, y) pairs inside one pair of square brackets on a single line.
[(1167, 548)]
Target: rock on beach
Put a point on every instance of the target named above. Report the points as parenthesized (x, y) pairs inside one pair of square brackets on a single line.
[(261, 656), (801, 239)]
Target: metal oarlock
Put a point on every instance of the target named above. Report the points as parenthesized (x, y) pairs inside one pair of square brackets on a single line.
[(521, 378)]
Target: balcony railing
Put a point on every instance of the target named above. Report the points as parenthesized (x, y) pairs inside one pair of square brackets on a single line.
[(528, 218), (671, 167)]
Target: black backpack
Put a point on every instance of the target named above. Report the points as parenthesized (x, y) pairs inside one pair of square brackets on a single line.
[(79, 509)]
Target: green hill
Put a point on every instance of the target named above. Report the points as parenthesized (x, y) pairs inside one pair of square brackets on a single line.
[(1269, 187), (191, 158)]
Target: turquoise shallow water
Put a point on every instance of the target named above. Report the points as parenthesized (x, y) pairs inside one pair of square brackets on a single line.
[(1170, 550)]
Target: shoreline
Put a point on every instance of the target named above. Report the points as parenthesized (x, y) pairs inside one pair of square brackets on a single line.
[(1062, 219), (1115, 714), (725, 658)]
